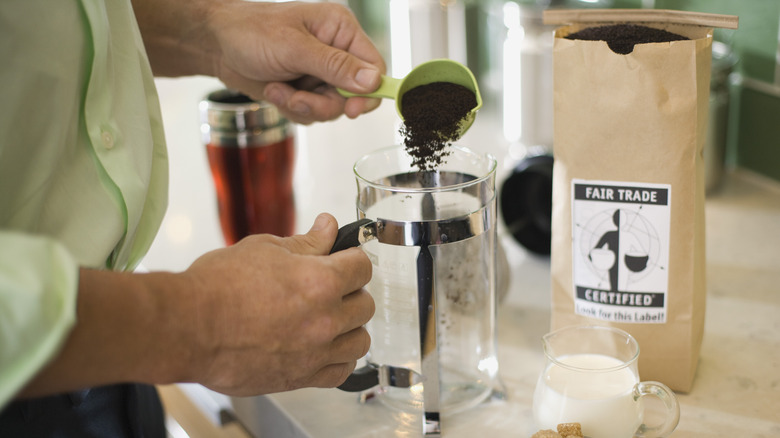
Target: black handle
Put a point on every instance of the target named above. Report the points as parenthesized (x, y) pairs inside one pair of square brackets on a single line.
[(361, 379), (349, 235), (367, 376)]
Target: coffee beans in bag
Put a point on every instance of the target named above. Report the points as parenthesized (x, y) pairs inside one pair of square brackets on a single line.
[(631, 93)]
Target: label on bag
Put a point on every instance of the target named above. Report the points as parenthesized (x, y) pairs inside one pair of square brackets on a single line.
[(620, 250)]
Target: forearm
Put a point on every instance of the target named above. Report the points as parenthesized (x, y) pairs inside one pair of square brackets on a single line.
[(176, 36), (130, 328)]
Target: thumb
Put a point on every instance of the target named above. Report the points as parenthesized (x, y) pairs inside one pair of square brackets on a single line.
[(318, 240), (345, 70)]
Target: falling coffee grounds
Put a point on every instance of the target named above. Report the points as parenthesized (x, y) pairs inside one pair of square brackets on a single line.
[(432, 115), (622, 37)]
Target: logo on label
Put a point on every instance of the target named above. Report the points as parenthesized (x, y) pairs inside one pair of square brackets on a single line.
[(621, 250)]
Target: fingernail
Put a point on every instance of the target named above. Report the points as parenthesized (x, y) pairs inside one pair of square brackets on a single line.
[(300, 108), (273, 95), (372, 104), (320, 223), (366, 77)]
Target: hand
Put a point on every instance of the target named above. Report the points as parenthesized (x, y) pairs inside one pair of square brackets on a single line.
[(267, 314), (278, 314), (294, 54)]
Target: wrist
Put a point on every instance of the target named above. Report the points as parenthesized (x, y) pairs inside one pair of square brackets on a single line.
[(177, 36), (129, 328), (175, 344)]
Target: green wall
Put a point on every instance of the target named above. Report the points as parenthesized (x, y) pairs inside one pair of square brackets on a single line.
[(754, 137)]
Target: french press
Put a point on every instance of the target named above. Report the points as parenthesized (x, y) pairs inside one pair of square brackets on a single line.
[(431, 237)]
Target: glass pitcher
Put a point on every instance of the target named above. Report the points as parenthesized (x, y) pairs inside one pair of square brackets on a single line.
[(431, 237)]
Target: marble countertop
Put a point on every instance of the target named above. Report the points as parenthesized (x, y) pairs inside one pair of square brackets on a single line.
[(737, 387)]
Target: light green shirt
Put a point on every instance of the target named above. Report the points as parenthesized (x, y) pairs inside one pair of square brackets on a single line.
[(83, 166)]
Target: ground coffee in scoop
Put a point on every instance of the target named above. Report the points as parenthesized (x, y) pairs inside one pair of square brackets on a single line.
[(432, 115)]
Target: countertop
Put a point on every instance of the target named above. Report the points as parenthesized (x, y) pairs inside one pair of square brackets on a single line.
[(737, 388)]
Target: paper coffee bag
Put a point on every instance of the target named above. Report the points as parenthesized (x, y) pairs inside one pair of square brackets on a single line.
[(628, 184)]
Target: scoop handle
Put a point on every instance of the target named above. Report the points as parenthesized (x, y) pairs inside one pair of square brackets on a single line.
[(387, 89)]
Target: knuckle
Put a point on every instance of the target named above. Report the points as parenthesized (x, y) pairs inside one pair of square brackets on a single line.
[(327, 110), (335, 11), (324, 284), (341, 373), (371, 305), (366, 343), (366, 267), (316, 276), (337, 62), (326, 329)]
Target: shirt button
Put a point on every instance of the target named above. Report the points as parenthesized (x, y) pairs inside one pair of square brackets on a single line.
[(108, 139)]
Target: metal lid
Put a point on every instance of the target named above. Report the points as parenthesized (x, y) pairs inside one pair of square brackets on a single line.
[(247, 138), (231, 111)]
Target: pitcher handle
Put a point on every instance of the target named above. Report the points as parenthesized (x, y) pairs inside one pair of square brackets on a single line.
[(669, 401), (361, 379), (349, 235), (367, 376)]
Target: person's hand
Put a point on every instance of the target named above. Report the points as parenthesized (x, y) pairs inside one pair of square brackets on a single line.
[(294, 54), (277, 314), (291, 54), (267, 314)]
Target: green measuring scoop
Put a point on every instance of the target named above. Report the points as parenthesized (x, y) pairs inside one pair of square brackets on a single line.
[(437, 70)]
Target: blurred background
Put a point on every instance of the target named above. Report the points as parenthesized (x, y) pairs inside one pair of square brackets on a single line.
[(509, 49), (506, 45)]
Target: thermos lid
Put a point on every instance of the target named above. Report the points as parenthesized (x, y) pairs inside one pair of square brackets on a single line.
[(229, 110), (233, 119), (526, 203)]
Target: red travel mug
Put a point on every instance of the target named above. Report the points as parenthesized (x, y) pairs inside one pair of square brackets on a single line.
[(251, 153)]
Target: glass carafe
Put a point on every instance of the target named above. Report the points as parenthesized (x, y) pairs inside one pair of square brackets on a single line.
[(431, 237)]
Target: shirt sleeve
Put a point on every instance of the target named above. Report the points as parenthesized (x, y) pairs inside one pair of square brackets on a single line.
[(38, 289)]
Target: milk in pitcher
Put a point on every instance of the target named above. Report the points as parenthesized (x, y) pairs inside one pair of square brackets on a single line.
[(591, 389)]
